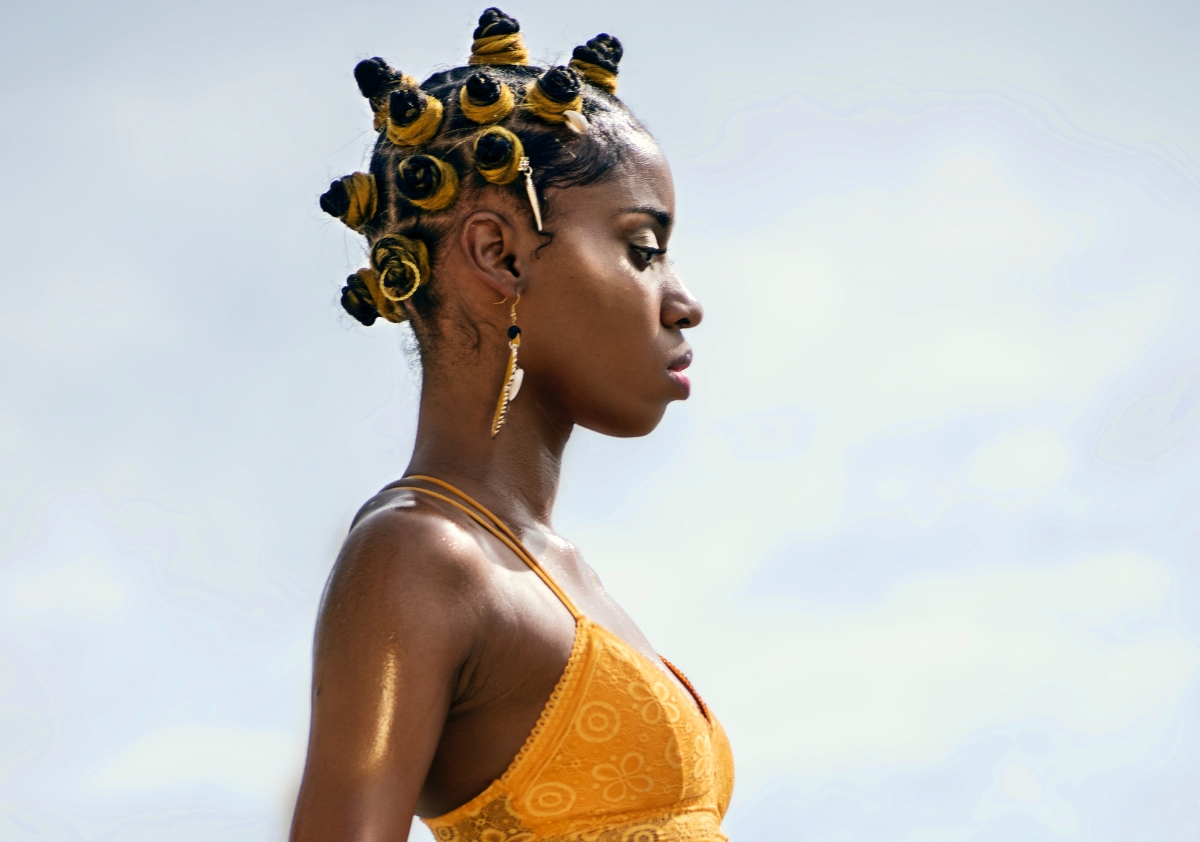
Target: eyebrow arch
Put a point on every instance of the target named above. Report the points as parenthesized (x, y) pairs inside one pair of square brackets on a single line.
[(657, 214)]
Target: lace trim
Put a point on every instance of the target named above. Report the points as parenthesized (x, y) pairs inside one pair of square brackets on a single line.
[(560, 689), (497, 821)]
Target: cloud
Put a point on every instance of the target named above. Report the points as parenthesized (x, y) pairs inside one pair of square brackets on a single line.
[(253, 764), (85, 586), (1020, 461), (911, 679)]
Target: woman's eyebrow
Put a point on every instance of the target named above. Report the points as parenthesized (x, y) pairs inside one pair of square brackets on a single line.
[(657, 214)]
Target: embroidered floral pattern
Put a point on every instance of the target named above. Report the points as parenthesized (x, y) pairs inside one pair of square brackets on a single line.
[(598, 722), (494, 822), (620, 754)]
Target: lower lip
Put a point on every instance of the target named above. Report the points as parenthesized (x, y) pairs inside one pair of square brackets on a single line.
[(682, 379)]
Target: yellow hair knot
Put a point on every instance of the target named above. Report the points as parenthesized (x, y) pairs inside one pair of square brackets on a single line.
[(403, 265), (547, 109), (498, 153), (363, 298), (499, 49), (427, 182), (353, 199), (594, 73), (421, 130), (379, 102), (364, 199), (483, 114)]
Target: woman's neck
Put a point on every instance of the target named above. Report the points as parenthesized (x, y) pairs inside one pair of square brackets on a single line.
[(515, 474)]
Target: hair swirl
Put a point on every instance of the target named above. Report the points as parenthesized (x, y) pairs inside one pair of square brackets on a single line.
[(556, 91), (353, 199), (597, 61), (363, 298), (498, 40), (484, 99), (414, 117), (403, 266), (498, 153), (376, 79), (427, 182)]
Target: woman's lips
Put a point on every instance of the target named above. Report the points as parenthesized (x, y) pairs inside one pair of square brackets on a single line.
[(675, 370), (682, 379)]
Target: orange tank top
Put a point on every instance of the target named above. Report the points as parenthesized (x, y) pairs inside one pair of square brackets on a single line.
[(619, 753)]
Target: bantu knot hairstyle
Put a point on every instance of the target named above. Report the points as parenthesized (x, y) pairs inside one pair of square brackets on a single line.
[(353, 199), (403, 266), (495, 124), (428, 182), (376, 79), (597, 61), (555, 92), (363, 298), (498, 40), (413, 117), (484, 99), (498, 154)]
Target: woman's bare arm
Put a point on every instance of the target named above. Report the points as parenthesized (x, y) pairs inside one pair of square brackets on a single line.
[(394, 632)]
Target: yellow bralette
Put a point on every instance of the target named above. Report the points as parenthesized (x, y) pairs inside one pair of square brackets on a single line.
[(619, 754)]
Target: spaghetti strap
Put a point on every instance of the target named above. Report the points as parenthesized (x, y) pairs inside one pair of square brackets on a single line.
[(497, 527)]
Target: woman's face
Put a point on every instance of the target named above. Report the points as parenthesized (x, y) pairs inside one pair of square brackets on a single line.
[(603, 310)]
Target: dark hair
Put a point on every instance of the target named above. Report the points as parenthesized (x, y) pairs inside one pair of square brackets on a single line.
[(559, 157), (430, 151), (398, 197)]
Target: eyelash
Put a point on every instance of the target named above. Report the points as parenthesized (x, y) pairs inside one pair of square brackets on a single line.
[(648, 254)]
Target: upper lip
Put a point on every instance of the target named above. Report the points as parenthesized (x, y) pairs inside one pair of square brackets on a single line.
[(681, 362)]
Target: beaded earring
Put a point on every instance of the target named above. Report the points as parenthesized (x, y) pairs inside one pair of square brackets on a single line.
[(513, 374)]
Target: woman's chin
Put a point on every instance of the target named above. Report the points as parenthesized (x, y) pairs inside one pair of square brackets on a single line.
[(633, 423)]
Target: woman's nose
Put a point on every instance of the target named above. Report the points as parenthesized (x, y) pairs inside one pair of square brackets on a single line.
[(681, 309)]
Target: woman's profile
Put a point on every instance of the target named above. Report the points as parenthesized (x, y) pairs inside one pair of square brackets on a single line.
[(469, 667)]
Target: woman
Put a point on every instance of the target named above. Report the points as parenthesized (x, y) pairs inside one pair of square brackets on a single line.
[(469, 666)]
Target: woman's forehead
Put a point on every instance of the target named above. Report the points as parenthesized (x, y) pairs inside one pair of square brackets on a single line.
[(644, 179)]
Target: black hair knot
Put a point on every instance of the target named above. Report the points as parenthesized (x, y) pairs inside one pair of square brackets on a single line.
[(427, 182), (406, 106), (483, 89), (403, 265), (493, 150), (374, 76), (336, 200), (495, 22), (560, 84), (358, 302), (603, 51), (420, 177)]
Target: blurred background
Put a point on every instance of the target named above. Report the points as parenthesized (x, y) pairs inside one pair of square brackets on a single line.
[(925, 537)]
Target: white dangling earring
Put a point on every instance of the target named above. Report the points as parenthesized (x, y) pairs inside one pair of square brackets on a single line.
[(513, 374)]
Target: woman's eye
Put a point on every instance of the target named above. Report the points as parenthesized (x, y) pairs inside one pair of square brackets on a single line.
[(648, 253)]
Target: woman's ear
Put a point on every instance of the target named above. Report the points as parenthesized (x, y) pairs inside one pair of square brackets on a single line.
[(489, 245)]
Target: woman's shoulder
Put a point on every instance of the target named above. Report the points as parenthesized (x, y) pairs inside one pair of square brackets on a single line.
[(404, 562)]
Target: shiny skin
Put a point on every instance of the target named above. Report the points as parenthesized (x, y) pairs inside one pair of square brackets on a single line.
[(436, 648)]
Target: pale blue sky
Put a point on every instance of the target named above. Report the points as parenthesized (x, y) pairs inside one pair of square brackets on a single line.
[(925, 537)]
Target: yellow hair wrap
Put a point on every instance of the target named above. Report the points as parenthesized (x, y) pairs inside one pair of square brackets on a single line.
[(445, 190), (483, 114), (594, 73), (364, 199), (421, 130), (547, 109), (383, 305), (507, 172), (379, 102), (499, 49), (403, 265)]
